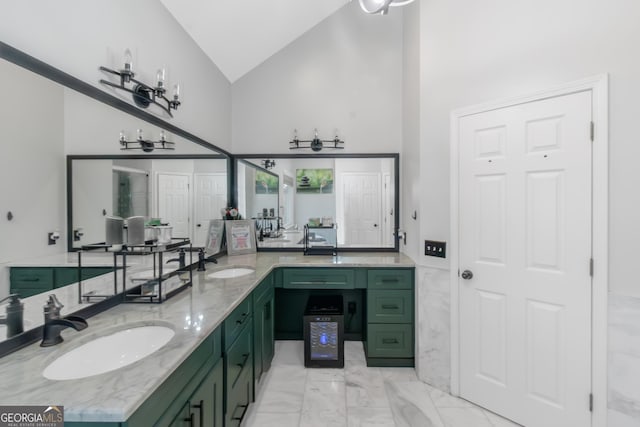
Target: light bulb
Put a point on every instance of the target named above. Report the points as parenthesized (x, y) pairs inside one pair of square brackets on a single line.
[(128, 60), (140, 135), (162, 136), (123, 138), (176, 92), (160, 76)]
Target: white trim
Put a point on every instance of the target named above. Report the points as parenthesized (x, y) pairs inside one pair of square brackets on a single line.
[(599, 87), (128, 169)]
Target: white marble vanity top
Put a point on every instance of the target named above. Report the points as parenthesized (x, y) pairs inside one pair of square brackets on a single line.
[(115, 396)]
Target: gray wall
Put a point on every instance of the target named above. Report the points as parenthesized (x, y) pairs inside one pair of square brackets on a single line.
[(344, 74), (77, 36)]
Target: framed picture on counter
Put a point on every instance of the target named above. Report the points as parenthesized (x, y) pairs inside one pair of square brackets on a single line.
[(215, 237), (241, 237)]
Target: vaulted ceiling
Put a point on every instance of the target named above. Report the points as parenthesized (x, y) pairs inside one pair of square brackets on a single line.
[(238, 35)]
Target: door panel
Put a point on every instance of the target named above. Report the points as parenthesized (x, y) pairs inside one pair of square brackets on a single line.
[(209, 199), (174, 201), (525, 233), (362, 209)]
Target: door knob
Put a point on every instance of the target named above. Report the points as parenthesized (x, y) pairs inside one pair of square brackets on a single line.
[(198, 225), (375, 225), (467, 275)]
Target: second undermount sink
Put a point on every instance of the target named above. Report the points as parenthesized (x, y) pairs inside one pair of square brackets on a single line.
[(108, 353), (230, 273)]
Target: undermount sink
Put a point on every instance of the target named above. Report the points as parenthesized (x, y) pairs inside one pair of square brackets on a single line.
[(108, 353), (230, 273)]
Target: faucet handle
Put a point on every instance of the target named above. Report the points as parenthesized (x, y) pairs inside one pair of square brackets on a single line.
[(52, 307)]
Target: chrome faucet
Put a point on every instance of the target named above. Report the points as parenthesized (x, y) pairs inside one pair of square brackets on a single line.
[(14, 317), (53, 324)]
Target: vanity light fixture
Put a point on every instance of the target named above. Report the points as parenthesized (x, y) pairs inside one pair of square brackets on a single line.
[(381, 6), (144, 144), (143, 94), (268, 164), (316, 144)]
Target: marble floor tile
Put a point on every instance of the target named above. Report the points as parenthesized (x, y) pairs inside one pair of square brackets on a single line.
[(498, 421), (292, 395), (370, 417), (460, 417), (283, 390), (325, 374), (365, 386), (411, 404), (264, 419), (324, 404), (399, 374), (288, 353), (445, 400), (354, 350)]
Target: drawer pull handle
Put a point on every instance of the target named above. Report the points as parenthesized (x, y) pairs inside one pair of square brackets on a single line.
[(389, 280), (243, 317), (33, 279), (389, 341), (390, 306), (190, 420), (244, 362), (244, 411), (319, 282), (199, 406)]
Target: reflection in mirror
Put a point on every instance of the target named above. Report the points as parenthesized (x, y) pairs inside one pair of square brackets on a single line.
[(182, 193), (258, 194), (47, 114), (358, 194)]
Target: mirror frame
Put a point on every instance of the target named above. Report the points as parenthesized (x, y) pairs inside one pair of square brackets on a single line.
[(72, 157), (396, 174)]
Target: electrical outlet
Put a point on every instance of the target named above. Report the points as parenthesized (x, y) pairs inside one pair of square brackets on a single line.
[(351, 307), (435, 248)]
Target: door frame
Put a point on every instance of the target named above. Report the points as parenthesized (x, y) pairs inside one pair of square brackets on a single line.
[(599, 86)]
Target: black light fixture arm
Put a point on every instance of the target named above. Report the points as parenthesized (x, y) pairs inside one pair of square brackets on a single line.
[(316, 144), (143, 94)]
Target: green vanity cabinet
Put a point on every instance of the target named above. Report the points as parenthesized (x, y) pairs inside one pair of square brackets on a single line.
[(263, 328), (318, 278), (28, 281), (238, 362), (390, 317)]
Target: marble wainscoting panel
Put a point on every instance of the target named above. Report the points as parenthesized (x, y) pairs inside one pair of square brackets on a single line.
[(433, 335), (624, 361)]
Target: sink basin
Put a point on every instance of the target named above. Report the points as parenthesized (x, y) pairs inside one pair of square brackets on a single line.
[(108, 353), (230, 273)]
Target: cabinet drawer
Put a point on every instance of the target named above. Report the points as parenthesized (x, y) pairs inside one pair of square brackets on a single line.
[(32, 278), (239, 358), (390, 278), (389, 340), (385, 306), (234, 323), (238, 401), (318, 278)]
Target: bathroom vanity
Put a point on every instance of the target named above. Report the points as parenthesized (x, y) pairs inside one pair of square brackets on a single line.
[(224, 336)]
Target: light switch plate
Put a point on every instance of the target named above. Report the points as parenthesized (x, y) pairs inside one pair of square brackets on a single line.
[(435, 248)]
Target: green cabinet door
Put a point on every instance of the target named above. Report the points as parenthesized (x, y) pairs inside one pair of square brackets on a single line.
[(263, 334), (206, 403), (184, 418)]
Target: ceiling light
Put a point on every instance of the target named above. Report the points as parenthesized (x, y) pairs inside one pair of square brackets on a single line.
[(381, 6)]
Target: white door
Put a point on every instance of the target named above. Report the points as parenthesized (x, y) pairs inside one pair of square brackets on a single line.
[(525, 235), (173, 202), (362, 209), (209, 199), (387, 211)]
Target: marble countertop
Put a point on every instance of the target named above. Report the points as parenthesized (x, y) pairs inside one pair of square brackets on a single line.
[(115, 396)]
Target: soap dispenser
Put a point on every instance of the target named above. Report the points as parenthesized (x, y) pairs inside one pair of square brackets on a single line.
[(14, 318)]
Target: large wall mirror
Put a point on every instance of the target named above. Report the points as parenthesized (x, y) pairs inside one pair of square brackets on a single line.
[(359, 193), (46, 115), (180, 191)]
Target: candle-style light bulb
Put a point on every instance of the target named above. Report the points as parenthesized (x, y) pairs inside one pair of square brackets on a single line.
[(123, 138), (128, 60), (176, 92), (160, 77), (163, 138), (140, 135)]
